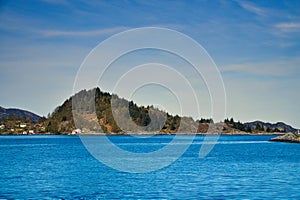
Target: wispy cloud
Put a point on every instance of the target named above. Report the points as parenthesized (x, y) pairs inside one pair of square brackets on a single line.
[(286, 30), (280, 43), (13, 22), (58, 32), (252, 8), (61, 2), (101, 32), (279, 68), (95, 32), (288, 27)]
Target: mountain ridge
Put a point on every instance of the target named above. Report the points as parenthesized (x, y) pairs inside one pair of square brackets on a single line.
[(6, 112), (61, 120), (280, 126)]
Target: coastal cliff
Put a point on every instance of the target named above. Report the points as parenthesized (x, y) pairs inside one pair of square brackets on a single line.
[(288, 137)]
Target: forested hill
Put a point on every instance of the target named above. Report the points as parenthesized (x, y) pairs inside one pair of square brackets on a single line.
[(125, 117), (6, 112), (61, 120)]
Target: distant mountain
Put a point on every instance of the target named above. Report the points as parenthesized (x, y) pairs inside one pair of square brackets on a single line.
[(265, 126), (5, 112), (116, 121)]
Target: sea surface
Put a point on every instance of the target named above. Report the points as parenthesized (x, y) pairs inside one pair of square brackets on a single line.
[(60, 167)]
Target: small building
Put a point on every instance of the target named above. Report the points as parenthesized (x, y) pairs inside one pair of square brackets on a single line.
[(2, 126), (25, 133), (76, 131), (22, 125), (31, 132)]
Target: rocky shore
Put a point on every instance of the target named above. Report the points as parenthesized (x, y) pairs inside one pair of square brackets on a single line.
[(288, 137)]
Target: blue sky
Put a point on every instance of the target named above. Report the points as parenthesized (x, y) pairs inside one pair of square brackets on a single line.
[(255, 44)]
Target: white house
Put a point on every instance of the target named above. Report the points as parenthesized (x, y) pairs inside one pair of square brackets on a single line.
[(22, 125), (2, 126), (76, 131)]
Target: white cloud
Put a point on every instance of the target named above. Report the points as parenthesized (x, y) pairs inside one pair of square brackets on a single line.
[(252, 8), (288, 27), (283, 67), (61, 33), (95, 32)]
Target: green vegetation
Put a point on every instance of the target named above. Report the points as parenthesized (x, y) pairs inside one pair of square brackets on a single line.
[(61, 120), (237, 125), (14, 124), (256, 127), (116, 115)]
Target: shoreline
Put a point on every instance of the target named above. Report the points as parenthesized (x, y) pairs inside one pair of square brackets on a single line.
[(288, 137), (159, 134)]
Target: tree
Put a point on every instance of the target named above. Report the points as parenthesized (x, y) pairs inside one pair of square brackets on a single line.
[(248, 129)]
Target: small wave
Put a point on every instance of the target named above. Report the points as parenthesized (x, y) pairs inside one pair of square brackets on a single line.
[(25, 145), (185, 143), (234, 142)]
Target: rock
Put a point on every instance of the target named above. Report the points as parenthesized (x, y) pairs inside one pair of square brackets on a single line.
[(288, 137)]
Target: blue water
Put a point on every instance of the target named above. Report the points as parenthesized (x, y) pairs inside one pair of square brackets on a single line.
[(59, 167)]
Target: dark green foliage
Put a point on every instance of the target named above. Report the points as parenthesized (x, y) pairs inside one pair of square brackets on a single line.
[(248, 129), (13, 122), (139, 114), (259, 127), (202, 120), (115, 115), (52, 127), (172, 123), (61, 120), (236, 125)]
